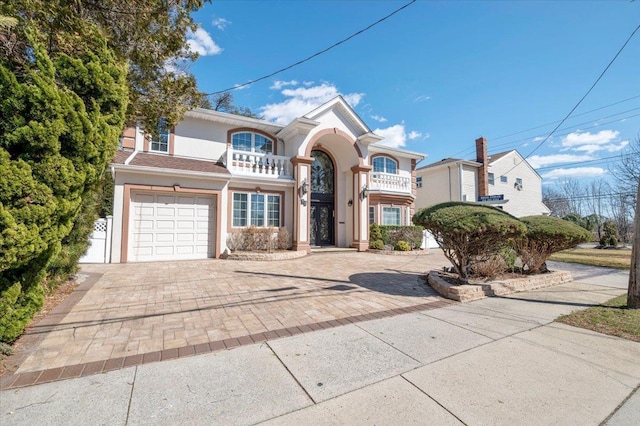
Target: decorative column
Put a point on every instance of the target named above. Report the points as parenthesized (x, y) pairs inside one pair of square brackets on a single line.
[(361, 207), (302, 202)]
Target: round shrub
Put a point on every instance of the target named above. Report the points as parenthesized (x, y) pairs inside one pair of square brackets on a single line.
[(469, 232), (402, 246), (376, 245), (546, 235)]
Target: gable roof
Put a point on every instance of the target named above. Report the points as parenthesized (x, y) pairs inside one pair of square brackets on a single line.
[(341, 105), (449, 161), (498, 156)]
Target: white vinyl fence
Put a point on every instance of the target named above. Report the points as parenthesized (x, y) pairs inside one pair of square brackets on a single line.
[(100, 242)]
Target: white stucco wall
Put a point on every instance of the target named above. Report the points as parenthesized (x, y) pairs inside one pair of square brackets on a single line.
[(200, 139)]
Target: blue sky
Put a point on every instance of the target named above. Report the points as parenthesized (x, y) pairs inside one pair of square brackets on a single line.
[(437, 75)]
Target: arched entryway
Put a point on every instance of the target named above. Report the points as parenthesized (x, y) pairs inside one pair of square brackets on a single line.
[(322, 214)]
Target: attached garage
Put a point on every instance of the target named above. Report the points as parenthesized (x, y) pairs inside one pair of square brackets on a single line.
[(171, 226)]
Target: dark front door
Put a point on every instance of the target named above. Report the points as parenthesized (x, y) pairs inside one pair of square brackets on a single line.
[(322, 232), (322, 223)]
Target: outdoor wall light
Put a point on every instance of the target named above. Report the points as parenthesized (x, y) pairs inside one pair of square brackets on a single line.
[(350, 203), (304, 187), (365, 192)]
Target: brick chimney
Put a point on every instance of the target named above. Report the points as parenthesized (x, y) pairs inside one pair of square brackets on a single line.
[(483, 172)]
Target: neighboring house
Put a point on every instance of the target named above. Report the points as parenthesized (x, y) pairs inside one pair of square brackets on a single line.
[(323, 176), (505, 180)]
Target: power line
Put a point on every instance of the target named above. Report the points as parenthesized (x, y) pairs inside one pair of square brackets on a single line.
[(590, 196), (581, 99), (595, 160), (315, 54), (574, 116), (573, 127), (517, 142)]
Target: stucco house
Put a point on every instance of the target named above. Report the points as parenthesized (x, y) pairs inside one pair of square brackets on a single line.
[(505, 180), (324, 176)]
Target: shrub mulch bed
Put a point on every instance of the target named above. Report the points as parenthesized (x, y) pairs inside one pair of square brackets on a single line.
[(22, 346)]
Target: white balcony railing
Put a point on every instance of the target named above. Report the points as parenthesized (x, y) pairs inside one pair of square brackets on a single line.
[(390, 182), (258, 164)]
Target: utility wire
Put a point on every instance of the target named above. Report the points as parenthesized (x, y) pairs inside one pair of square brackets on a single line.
[(469, 150), (516, 143), (581, 99), (308, 58), (595, 160), (573, 116)]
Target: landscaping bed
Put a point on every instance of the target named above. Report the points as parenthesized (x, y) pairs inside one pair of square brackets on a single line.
[(447, 284), (261, 255)]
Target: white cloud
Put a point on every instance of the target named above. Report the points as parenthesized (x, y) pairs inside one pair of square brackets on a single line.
[(603, 137), (414, 135), (242, 86), (308, 83), (422, 98), (394, 136), (587, 142), (201, 42), (302, 100), (379, 118), (279, 84), (576, 172), (220, 23), (538, 139), (546, 160)]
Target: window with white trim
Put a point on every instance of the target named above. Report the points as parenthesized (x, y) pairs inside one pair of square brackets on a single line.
[(492, 179), (385, 165), (503, 179), (252, 142), (372, 215), (419, 182), (256, 209), (519, 183), (160, 143), (391, 216)]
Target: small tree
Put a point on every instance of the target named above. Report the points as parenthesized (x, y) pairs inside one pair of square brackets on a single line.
[(546, 235), (469, 232), (609, 234)]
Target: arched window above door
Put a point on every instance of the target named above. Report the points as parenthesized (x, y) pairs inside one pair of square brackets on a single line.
[(322, 172)]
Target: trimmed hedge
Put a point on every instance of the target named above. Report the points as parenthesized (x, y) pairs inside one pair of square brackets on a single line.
[(546, 235), (469, 233), (392, 234)]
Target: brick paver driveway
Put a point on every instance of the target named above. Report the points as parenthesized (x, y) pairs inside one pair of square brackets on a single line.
[(169, 309)]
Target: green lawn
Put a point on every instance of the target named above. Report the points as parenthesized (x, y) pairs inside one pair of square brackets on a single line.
[(611, 318), (620, 259)]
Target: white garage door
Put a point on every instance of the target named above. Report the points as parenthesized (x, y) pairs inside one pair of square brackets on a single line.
[(166, 226)]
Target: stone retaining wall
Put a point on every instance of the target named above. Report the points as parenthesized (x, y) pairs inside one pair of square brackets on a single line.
[(469, 292), (278, 255)]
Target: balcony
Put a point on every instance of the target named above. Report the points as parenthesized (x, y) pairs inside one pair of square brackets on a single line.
[(258, 164), (388, 182)]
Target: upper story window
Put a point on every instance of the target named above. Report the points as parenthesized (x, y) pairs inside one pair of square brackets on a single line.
[(419, 182), (252, 142), (160, 143), (385, 165), (492, 179), (518, 184), (503, 179)]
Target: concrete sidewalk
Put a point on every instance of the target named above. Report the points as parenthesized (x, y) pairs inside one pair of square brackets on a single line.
[(493, 361)]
